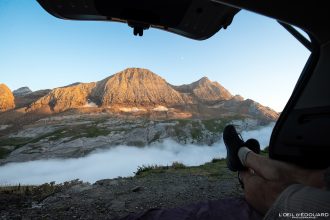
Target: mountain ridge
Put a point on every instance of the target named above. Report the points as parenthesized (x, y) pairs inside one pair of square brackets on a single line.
[(140, 88), (205, 90)]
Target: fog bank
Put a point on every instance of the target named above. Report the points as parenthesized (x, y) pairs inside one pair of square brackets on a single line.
[(118, 161)]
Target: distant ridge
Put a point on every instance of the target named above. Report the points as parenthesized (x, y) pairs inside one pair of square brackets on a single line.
[(205, 90), (22, 91), (138, 87)]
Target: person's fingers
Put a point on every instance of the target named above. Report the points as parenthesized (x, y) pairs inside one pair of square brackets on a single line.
[(245, 175)]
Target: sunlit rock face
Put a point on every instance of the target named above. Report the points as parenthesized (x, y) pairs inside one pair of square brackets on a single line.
[(7, 100), (140, 91)]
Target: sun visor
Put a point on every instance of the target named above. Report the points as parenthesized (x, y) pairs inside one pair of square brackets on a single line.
[(196, 19)]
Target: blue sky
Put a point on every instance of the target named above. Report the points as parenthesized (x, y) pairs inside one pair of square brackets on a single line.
[(255, 57)]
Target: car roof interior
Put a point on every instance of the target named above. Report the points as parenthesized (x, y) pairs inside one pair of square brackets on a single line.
[(196, 19), (300, 135)]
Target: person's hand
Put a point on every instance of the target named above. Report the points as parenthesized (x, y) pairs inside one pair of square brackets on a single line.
[(260, 193)]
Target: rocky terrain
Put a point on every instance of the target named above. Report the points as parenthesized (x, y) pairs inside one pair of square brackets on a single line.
[(152, 187)]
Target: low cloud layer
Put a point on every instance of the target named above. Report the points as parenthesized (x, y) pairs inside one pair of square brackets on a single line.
[(118, 161), (262, 135)]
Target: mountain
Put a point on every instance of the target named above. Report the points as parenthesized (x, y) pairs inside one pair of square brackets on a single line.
[(63, 98), (205, 91), (135, 86), (23, 99), (249, 107), (131, 87), (7, 100), (22, 91), (136, 89)]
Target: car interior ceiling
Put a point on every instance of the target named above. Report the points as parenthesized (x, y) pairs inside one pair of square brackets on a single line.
[(300, 135), (196, 19)]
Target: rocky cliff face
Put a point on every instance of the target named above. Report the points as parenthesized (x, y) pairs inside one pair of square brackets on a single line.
[(133, 86), (136, 86), (249, 107), (63, 98), (7, 100), (143, 89), (24, 99)]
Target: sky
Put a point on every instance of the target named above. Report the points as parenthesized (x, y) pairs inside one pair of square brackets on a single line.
[(254, 57)]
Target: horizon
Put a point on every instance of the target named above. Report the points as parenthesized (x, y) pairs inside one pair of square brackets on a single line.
[(254, 57), (73, 83)]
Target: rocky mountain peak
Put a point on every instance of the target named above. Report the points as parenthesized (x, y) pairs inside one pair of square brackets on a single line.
[(205, 90), (137, 86), (7, 100), (137, 74), (204, 79), (133, 76), (22, 91)]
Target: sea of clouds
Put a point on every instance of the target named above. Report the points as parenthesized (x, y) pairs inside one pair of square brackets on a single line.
[(119, 161)]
